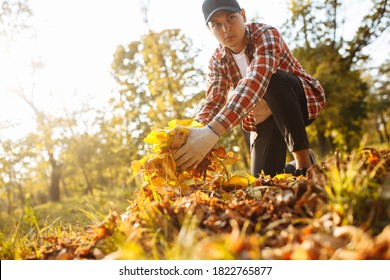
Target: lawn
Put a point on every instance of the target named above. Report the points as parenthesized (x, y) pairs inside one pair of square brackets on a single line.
[(340, 210)]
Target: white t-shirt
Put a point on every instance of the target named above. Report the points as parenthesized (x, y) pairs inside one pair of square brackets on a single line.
[(261, 111)]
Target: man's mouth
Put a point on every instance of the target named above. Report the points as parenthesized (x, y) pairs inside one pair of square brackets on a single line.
[(229, 37)]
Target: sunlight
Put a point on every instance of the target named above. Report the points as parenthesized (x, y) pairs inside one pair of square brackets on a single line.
[(74, 42), (16, 115), (101, 157)]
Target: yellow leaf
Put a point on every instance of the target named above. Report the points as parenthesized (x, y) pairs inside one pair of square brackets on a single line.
[(196, 124), (185, 123), (135, 166), (179, 137), (158, 182), (226, 196), (300, 254), (251, 179), (174, 123), (170, 166), (185, 189), (230, 158), (283, 176), (156, 137), (238, 181)]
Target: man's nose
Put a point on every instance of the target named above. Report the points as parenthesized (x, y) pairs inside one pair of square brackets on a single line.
[(226, 26)]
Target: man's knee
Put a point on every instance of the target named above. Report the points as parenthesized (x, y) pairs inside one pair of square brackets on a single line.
[(280, 84)]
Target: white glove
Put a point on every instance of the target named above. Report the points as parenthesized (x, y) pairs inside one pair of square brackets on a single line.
[(200, 141)]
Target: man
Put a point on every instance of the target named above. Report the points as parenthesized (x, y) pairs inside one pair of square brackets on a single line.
[(273, 96)]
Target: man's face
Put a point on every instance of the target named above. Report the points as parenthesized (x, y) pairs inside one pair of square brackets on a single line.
[(229, 29)]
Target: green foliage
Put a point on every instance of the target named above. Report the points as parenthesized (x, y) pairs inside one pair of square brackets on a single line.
[(334, 61), (346, 95), (356, 186), (158, 81), (22, 231), (379, 105)]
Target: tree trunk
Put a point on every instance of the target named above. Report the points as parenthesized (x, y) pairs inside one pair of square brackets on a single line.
[(21, 194), (89, 188), (384, 123), (378, 130), (55, 179), (65, 188), (55, 184), (323, 146), (9, 198)]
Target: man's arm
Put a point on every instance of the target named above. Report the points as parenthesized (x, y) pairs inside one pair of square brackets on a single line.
[(217, 92)]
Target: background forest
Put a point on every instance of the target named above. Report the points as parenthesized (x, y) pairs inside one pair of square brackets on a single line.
[(88, 152)]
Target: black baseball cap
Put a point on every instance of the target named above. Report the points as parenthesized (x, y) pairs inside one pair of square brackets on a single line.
[(210, 7)]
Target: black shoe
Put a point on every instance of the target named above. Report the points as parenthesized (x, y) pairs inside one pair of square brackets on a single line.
[(292, 165), (289, 168), (300, 172)]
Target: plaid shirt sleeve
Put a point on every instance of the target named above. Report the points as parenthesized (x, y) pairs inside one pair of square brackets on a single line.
[(218, 88)]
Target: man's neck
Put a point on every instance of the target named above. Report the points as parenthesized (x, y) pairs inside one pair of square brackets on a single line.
[(238, 50)]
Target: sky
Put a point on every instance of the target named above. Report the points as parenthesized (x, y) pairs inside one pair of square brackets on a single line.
[(74, 44)]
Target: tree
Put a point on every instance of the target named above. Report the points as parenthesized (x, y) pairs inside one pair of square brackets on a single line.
[(158, 81), (15, 16), (379, 104), (335, 61), (47, 137), (98, 156), (15, 157)]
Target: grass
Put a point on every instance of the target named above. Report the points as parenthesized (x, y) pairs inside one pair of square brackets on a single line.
[(21, 231), (356, 187)]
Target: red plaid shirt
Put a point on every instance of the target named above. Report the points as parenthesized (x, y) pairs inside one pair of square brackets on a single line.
[(267, 53)]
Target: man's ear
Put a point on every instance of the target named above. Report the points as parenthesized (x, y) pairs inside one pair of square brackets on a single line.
[(242, 12)]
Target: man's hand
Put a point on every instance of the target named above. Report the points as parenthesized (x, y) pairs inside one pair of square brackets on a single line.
[(200, 141)]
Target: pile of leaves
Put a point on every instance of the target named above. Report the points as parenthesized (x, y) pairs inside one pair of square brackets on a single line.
[(339, 211)]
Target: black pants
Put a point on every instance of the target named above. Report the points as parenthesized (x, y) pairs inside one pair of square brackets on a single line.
[(284, 129)]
